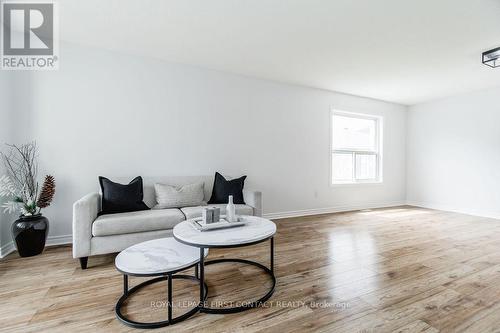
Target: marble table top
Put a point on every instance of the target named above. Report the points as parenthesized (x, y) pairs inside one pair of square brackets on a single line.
[(257, 228), (157, 256)]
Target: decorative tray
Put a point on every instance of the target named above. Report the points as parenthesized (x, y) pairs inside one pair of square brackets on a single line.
[(222, 224)]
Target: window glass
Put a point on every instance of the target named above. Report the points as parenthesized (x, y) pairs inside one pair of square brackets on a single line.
[(356, 141), (351, 133), (366, 166), (343, 167)]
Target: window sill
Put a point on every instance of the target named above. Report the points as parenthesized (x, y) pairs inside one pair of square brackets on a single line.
[(374, 183)]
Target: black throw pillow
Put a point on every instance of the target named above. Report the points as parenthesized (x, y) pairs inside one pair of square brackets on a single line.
[(119, 198), (224, 188)]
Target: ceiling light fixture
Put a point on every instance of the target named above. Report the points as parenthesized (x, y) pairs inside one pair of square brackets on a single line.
[(492, 58)]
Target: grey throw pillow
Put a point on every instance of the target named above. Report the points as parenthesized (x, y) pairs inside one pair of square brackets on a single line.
[(170, 196)]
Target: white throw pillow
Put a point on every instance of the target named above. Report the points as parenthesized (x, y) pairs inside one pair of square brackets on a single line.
[(169, 196)]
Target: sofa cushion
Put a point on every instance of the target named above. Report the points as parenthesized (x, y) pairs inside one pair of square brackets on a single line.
[(169, 196), (193, 212), (146, 220), (121, 198), (223, 188)]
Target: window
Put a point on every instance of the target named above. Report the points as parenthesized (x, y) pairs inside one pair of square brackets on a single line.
[(356, 155)]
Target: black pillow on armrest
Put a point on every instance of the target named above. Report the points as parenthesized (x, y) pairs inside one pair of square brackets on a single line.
[(120, 198), (224, 188)]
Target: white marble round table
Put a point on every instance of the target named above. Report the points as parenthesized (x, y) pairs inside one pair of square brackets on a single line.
[(256, 230), (156, 257), (163, 258)]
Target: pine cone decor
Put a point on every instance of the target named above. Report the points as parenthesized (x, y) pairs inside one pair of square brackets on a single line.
[(47, 193)]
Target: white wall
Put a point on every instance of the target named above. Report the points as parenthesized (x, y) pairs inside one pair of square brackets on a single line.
[(115, 115), (15, 127), (5, 136), (453, 151)]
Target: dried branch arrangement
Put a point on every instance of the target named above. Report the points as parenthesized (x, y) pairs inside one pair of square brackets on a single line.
[(20, 186)]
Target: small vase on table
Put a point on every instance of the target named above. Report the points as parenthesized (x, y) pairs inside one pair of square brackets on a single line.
[(230, 210)]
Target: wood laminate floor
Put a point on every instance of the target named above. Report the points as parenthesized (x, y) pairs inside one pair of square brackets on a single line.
[(401, 269)]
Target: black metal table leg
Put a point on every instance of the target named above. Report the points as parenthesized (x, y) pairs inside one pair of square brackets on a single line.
[(125, 284), (272, 254), (171, 320), (247, 305), (269, 271), (169, 304), (196, 273), (202, 276)]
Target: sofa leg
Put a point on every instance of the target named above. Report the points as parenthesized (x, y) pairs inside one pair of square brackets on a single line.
[(83, 262)]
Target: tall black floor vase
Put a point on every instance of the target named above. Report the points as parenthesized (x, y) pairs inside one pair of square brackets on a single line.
[(29, 234)]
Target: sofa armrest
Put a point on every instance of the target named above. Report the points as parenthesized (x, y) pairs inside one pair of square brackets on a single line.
[(253, 199), (85, 212)]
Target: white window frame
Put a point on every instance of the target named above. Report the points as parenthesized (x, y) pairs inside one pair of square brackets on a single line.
[(377, 151)]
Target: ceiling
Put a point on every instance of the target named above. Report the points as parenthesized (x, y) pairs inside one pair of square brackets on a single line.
[(403, 51)]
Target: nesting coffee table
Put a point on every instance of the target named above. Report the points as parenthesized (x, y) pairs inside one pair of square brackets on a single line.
[(160, 258), (257, 230), (164, 258)]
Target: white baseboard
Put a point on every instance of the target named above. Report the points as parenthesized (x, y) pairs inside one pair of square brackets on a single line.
[(6, 249), (448, 208), (329, 210), (51, 241), (67, 239)]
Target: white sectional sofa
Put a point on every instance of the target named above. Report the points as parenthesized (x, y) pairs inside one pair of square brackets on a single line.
[(93, 235)]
